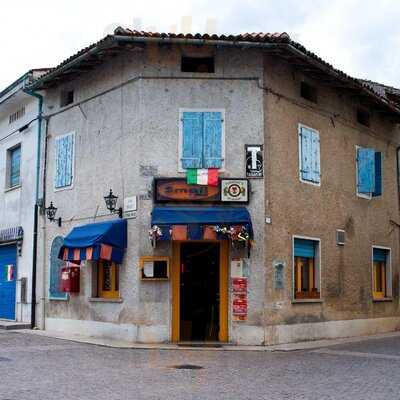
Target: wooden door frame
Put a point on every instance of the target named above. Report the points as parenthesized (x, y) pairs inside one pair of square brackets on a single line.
[(223, 287)]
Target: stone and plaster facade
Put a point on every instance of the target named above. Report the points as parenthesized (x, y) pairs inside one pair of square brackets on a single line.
[(125, 117)]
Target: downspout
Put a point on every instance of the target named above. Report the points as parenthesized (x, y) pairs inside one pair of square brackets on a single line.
[(36, 206)]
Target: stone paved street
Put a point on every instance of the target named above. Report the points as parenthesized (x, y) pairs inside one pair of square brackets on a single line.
[(36, 367)]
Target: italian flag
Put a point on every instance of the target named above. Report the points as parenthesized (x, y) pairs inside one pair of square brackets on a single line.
[(196, 176), (9, 273)]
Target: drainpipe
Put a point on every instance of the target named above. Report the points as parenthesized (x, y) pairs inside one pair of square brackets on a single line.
[(36, 206)]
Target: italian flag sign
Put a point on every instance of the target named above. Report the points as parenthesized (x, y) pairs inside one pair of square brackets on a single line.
[(9, 273), (196, 176)]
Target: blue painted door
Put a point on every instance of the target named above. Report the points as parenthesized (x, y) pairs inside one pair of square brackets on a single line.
[(8, 279)]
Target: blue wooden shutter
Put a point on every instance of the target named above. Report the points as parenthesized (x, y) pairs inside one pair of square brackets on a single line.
[(380, 255), (304, 248), (15, 166), (378, 174), (212, 152), (192, 146), (64, 149), (315, 165), (365, 171), (306, 166), (55, 270)]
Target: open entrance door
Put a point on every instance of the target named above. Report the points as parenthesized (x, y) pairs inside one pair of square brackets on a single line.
[(199, 279)]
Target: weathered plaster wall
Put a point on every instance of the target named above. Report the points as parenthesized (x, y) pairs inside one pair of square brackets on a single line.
[(136, 126), (298, 208), (17, 204)]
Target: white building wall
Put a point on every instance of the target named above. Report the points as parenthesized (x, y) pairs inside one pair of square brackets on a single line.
[(136, 126), (17, 204)]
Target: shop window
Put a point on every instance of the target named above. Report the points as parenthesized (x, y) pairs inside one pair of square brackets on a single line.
[(368, 172), (107, 280), (202, 140), (381, 273), (308, 92), (154, 268), (198, 64), (14, 167), (306, 269), (56, 265), (309, 159), (64, 161)]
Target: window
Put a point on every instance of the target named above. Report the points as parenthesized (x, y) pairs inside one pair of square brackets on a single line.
[(197, 64), (363, 117), (381, 273), (64, 161), (306, 269), (14, 167), (107, 280), (16, 115), (55, 270), (67, 97), (369, 172), (309, 155), (308, 92), (202, 139)]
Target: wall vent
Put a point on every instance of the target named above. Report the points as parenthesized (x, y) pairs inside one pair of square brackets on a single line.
[(340, 237), (16, 115)]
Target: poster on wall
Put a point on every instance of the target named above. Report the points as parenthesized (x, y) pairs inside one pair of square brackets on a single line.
[(239, 299), (235, 190), (237, 268), (239, 307), (254, 161)]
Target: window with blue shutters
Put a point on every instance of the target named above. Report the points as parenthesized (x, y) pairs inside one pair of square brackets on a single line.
[(306, 269), (64, 161), (369, 172), (14, 167), (202, 141), (381, 273), (55, 270), (309, 155)]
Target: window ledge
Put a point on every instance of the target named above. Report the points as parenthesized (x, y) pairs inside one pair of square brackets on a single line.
[(299, 301), (58, 298), (10, 189), (375, 300), (105, 300)]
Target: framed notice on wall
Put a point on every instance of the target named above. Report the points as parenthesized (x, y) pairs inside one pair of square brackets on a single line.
[(234, 190), (154, 268)]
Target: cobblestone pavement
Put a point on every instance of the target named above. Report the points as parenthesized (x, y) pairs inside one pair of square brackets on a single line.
[(36, 367)]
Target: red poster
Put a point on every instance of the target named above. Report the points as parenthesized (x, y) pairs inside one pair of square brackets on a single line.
[(239, 285)]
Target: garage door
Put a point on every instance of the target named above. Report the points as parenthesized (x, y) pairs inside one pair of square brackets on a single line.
[(8, 279)]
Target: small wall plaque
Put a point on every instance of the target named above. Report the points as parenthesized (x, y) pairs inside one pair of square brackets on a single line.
[(279, 268), (254, 161)]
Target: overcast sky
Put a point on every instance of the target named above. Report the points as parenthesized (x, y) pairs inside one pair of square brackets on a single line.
[(360, 37)]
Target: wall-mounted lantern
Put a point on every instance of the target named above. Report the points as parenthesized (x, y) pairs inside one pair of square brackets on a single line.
[(111, 203), (51, 212)]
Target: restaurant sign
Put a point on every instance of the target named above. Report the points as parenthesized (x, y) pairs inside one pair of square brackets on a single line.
[(177, 190)]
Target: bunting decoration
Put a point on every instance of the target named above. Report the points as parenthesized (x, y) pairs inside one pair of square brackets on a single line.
[(196, 176)]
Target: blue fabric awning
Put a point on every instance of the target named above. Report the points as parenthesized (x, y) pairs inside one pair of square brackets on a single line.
[(102, 240), (196, 217)]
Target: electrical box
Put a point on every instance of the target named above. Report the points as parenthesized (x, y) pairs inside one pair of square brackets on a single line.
[(24, 290), (70, 279)]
